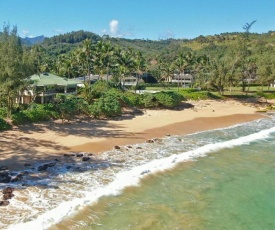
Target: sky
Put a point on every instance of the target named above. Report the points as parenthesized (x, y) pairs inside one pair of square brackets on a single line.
[(141, 19)]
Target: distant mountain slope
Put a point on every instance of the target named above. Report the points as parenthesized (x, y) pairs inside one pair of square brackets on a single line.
[(72, 37), (211, 45), (33, 40)]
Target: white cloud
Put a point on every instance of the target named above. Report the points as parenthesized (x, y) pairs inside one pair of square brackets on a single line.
[(114, 27), (25, 32), (115, 30)]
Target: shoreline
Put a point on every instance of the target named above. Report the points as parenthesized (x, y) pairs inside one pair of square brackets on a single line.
[(39, 143), (181, 128)]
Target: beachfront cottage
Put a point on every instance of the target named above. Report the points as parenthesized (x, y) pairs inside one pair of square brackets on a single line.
[(185, 79), (45, 86)]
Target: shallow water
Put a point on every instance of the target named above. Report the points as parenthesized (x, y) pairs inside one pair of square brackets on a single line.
[(231, 188)]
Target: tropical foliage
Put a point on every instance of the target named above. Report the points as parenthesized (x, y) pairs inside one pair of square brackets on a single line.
[(218, 63)]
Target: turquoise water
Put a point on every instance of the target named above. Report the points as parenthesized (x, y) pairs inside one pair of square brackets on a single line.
[(219, 179), (233, 187)]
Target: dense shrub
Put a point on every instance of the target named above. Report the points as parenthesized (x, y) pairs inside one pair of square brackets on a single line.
[(98, 88), (133, 99), (149, 100), (125, 98), (19, 118), (3, 112), (168, 99), (70, 104), (35, 113), (4, 125), (106, 106), (266, 95), (193, 94), (38, 113), (162, 99)]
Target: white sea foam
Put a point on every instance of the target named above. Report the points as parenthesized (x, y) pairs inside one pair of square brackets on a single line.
[(132, 177)]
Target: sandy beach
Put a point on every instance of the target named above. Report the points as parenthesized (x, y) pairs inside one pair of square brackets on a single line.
[(50, 140)]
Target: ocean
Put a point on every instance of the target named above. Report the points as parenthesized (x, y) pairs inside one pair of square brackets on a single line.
[(217, 179)]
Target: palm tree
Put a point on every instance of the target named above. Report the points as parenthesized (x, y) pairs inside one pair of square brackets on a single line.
[(107, 56), (98, 59), (166, 70), (80, 60), (219, 72), (87, 50), (201, 69), (139, 66), (125, 62), (180, 63)]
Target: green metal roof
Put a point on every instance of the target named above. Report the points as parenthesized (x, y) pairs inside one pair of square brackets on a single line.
[(48, 79)]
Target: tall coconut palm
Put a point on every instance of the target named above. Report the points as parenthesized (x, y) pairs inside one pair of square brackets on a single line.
[(98, 59), (180, 64), (166, 70), (107, 56), (139, 66), (80, 60), (125, 62), (201, 69), (87, 50)]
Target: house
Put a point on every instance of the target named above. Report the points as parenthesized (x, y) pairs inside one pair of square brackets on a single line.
[(45, 86), (131, 80), (93, 78), (184, 79)]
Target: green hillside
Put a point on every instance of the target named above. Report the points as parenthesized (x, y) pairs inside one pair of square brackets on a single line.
[(166, 49)]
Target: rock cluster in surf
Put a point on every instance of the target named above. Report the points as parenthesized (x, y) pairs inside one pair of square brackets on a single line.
[(7, 195)]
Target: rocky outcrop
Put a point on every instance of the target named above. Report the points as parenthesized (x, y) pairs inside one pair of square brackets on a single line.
[(8, 190), (150, 141), (18, 177), (116, 147), (5, 177), (7, 195), (4, 203), (3, 168), (44, 167), (86, 158), (69, 155)]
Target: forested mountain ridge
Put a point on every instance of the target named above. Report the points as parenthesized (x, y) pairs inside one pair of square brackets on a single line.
[(212, 44)]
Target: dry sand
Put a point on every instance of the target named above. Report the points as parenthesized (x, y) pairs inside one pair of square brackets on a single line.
[(43, 142)]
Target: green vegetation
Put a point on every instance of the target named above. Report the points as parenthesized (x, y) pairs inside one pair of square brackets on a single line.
[(227, 65), (106, 106), (35, 113), (167, 99), (14, 69), (4, 125)]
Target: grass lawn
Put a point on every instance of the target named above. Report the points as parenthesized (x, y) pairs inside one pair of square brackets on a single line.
[(254, 91)]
